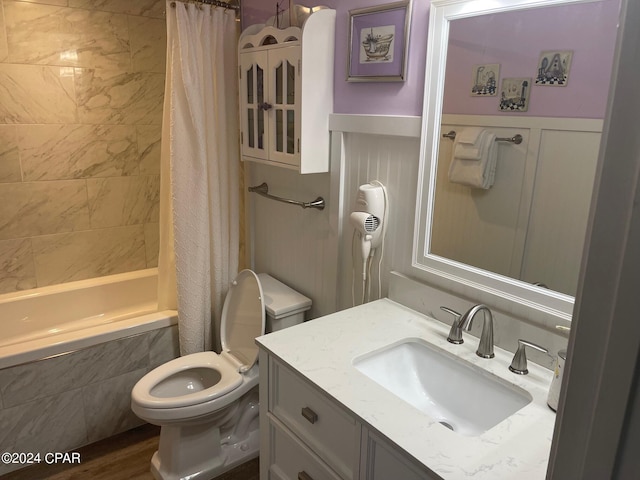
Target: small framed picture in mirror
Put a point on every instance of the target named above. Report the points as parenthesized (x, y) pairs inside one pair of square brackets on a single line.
[(553, 68), (378, 41), (485, 80), (514, 94)]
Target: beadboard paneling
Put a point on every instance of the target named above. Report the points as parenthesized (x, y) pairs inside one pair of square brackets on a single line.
[(303, 248), (294, 245), (394, 162), (531, 223), (312, 250)]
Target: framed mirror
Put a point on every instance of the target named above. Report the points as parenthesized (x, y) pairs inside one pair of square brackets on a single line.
[(515, 96)]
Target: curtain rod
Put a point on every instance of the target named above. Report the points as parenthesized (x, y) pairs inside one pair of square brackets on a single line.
[(216, 3)]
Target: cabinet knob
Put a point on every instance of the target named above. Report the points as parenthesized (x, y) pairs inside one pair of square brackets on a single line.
[(304, 476), (309, 414), (265, 106)]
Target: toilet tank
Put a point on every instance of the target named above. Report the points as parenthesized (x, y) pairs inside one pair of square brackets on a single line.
[(285, 307)]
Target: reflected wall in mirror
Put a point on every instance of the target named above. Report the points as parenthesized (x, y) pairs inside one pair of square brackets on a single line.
[(529, 226)]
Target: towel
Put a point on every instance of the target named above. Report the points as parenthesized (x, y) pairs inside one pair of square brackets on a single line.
[(476, 170), (470, 135), (469, 143)]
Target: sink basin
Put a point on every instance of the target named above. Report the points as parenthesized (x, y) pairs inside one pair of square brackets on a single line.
[(460, 396)]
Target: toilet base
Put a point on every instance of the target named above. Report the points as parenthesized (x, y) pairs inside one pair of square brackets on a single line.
[(229, 457)]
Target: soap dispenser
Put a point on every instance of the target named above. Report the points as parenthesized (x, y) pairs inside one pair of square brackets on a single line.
[(554, 389)]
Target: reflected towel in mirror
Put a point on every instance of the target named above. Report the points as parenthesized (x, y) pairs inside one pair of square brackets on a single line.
[(468, 144), (474, 158)]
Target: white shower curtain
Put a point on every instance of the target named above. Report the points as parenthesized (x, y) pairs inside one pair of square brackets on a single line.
[(199, 207)]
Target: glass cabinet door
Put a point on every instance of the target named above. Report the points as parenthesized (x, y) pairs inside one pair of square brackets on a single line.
[(254, 104), (284, 64)]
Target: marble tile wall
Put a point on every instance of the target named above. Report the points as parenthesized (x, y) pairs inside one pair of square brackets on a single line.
[(65, 402), (81, 92)]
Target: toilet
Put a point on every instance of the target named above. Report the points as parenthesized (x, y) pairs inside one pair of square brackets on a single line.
[(207, 403)]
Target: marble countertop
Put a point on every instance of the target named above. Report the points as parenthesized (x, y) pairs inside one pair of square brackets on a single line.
[(323, 350)]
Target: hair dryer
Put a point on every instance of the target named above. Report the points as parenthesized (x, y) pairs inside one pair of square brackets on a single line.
[(366, 225), (367, 219)]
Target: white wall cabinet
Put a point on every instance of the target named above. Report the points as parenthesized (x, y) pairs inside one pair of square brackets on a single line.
[(286, 93), (306, 435)]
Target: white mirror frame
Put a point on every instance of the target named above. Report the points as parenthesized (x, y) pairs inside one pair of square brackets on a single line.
[(449, 274)]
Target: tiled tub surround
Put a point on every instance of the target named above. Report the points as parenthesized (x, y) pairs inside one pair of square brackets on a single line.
[(61, 403), (70, 355), (323, 351), (81, 91)]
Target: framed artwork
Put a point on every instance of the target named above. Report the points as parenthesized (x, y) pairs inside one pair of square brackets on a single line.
[(485, 80), (514, 94), (378, 43), (553, 68)]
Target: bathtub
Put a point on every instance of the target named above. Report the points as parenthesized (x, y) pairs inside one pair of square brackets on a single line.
[(70, 355), (49, 321)]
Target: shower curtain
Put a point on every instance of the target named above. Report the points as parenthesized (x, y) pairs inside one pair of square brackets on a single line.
[(199, 206)]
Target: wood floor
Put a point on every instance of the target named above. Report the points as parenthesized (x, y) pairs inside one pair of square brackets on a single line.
[(122, 457)]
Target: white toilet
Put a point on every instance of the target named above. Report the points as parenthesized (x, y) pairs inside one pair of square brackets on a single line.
[(207, 403)]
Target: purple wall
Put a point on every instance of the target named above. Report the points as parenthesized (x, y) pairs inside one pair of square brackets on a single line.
[(590, 33), (392, 98), (515, 40)]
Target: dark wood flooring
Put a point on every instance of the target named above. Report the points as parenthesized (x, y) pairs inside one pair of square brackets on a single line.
[(123, 457)]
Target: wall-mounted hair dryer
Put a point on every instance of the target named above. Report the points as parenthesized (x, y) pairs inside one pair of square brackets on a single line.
[(368, 218), (366, 225)]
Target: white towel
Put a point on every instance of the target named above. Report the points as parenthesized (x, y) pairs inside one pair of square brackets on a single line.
[(469, 143), (475, 172), (470, 135)]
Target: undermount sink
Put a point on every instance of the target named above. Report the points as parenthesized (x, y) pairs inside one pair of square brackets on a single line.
[(457, 394)]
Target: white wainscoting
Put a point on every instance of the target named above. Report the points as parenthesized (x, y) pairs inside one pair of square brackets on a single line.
[(392, 160), (531, 223), (306, 249), (297, 246), (311, 250)]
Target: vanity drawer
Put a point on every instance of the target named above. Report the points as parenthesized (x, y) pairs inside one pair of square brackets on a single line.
[(327, 429), (293, 460)]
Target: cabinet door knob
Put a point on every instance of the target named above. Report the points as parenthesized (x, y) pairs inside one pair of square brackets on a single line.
[(304, 476), (265, 106), (309, 414)]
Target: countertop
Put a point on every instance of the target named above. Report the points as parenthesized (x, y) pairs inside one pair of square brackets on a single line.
[(322, 350)]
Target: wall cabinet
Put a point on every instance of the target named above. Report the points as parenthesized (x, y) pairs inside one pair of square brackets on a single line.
[(306, 435), (286, 93)]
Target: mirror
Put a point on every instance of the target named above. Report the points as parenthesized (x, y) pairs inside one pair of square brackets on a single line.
[(538, 69)]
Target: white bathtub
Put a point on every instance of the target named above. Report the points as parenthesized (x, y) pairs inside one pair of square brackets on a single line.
[(49, 321)]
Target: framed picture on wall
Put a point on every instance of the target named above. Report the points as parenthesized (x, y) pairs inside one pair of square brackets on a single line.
[(378, 43)]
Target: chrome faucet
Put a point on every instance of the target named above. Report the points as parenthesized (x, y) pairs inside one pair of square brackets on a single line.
[(485, 347)]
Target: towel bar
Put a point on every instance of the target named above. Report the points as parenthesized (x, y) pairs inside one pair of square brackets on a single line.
[(263, 189), (517, 139)]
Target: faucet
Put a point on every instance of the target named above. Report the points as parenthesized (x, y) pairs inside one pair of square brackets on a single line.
[(485, 347)]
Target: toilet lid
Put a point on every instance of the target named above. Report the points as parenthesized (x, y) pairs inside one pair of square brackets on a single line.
[(243, 319)]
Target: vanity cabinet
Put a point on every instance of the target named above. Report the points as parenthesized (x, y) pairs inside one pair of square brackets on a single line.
[(286, 93), (381, 460), (306, 435)]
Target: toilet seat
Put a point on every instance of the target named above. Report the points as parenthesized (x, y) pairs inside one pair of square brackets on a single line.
[(243, 320), (153, 390), (202, 377)]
